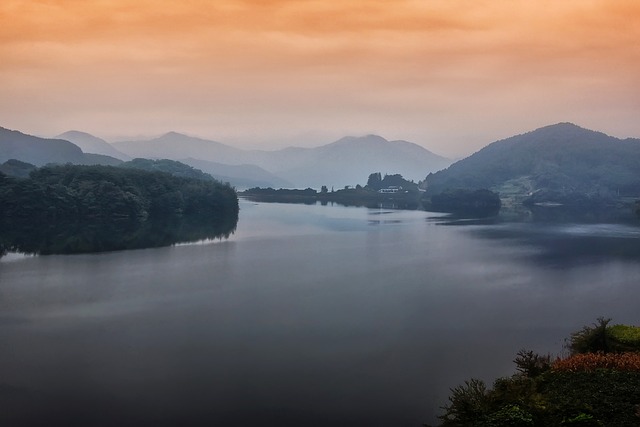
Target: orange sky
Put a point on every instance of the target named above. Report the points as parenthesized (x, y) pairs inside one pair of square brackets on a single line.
[(451, 75)]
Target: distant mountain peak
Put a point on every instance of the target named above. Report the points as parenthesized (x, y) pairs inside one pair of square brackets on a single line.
[(74, 132), (92, 144), (564, 127), (371, 138), (565, 131), (173, 134)]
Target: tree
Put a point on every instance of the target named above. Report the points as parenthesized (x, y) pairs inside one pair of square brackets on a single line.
[(375, 181)]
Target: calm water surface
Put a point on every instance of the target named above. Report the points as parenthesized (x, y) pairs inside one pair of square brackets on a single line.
[(306, 316)]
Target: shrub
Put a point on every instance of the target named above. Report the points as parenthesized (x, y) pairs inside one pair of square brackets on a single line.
[(591, 339), (609, 396), (510, 415), (629, 362), (625, 337), (469, 403), (532, 364), (582, 420)]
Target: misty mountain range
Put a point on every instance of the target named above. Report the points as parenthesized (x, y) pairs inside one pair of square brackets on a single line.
[(92, 144), (348, 161), (551, 164), (40, 151)]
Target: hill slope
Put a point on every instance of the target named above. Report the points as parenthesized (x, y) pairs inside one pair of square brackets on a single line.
[(553, 161), (240, 176), (92, 144), (40, 151), (348, 161), (177, 146)]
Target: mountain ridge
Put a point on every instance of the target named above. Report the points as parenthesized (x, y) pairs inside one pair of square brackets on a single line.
[(40, 151), (92, 144), (552, 161), (347, 161)]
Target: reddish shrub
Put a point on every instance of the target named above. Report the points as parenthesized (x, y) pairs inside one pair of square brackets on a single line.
[(587, 362)]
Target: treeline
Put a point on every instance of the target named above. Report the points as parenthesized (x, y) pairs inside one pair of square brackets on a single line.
[(172, 167), (105, 193), (100, 197), (391, 191), (349, 196)]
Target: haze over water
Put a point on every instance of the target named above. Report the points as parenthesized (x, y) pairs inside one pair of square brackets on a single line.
[(307, 315)]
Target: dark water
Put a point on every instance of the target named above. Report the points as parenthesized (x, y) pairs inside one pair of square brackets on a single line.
[(306, 316)]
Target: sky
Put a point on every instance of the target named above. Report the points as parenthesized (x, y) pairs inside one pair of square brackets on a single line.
[(450, 75)]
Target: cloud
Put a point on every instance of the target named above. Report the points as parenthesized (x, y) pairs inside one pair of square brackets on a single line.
[(375, 65)]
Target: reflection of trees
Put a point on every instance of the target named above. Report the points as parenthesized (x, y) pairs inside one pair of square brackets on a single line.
[(69, 238)]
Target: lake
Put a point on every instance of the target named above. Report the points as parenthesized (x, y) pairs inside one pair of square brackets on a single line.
[(307, 315)]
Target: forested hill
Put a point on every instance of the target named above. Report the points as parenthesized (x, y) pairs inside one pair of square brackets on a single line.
[(104, 194), (559, 159), (172, 167)]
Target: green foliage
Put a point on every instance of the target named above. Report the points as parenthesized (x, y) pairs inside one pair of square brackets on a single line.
[(582, 420), (625, 336), (509, 415), (607, 396), (592, 338), (604, 338)]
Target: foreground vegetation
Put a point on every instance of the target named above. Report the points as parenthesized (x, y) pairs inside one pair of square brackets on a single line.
[(75, 208), (598, 384)]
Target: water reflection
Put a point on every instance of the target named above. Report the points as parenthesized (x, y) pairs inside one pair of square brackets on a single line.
[(73, 237), (560, 237), (309, 315), (569, 245)]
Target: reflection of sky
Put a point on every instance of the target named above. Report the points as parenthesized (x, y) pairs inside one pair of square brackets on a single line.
[(274, 219)]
